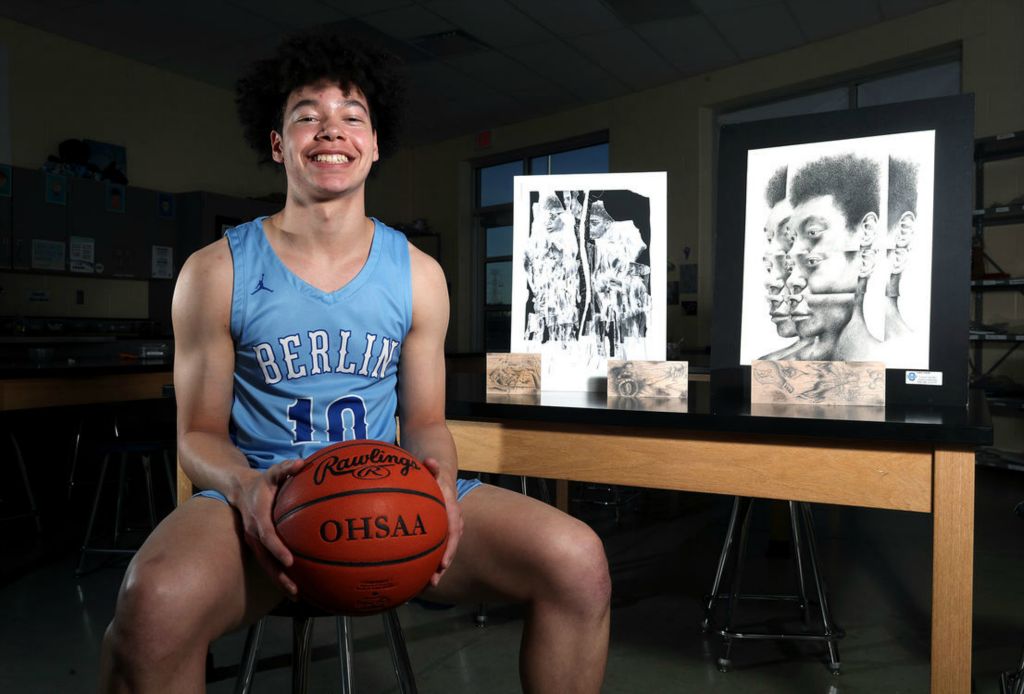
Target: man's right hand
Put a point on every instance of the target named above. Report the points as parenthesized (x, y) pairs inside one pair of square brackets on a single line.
[(254, 503)]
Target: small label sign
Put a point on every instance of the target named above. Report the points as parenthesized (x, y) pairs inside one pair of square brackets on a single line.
[(924, 378)]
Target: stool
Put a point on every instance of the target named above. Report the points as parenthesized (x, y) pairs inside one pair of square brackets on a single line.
[(33, 511), (804, 554), (302, 615), (124, 450)]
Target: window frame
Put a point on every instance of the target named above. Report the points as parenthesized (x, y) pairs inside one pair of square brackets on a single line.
[(490, 216)]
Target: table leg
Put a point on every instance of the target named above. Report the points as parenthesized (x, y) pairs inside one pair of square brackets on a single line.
[(952, 570), (562, 495)]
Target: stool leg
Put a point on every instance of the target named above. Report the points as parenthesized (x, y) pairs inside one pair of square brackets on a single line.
[(798, 551), (120, 496), (1018, 684), (147, 470), (819, 586), (247, 667), (345, 653), (33, 510), (724, 661), (399, 655), (76, 448), (730, 534), (171, 486), (92, 515), (480, 618), (302, 639)]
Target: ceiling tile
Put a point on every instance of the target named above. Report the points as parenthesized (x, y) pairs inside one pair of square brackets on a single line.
[(495, 22), (899, 8), (507, 76), (294, 14), (640, 11), (720, 6), (570, 17), (624, 54), (759, 30), (361, 8), (818, 20), (408, 22), (567, 68), (691, 44), (436, 78)]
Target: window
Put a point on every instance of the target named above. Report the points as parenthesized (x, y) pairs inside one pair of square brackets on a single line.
[(942, 79), (493, 215)]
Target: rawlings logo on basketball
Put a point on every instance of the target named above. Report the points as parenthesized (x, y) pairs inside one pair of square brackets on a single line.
[(374, 465), (360, 528)]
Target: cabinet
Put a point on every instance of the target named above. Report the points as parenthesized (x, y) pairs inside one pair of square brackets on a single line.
[(988, 275)]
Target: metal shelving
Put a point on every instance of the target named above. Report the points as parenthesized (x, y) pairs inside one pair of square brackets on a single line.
[(989, 149)]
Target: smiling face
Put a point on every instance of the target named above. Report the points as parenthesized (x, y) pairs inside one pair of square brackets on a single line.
[(327, 144)]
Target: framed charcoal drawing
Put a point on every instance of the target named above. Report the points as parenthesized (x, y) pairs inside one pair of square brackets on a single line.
[(852, 243), (589, 265)]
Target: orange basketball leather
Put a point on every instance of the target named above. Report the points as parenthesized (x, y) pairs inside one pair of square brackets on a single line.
[(366, 523)]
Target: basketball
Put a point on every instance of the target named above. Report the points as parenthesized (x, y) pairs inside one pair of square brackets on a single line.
[(366, 524)]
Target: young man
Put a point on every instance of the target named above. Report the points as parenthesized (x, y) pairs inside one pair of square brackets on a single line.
[(317, 324)]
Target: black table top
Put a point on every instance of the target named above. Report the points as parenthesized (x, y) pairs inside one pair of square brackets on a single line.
[(707, 411)]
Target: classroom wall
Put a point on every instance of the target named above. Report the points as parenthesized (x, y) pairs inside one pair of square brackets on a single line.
[(671, 128), (180, 134)]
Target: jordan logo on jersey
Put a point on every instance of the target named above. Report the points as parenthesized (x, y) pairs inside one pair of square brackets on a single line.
[(300, 356), (261, 286)]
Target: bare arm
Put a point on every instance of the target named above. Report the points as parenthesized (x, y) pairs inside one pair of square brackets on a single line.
[(421, 389), (204, 364)]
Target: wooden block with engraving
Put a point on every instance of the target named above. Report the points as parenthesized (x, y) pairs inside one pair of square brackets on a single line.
[(818, 382), (513, 373), (648, 379)]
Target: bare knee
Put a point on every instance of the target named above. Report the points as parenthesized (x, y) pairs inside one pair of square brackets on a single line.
[(152, 619), (578, 569)]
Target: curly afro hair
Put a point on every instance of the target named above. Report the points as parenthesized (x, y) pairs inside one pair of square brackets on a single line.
[(310, 57)]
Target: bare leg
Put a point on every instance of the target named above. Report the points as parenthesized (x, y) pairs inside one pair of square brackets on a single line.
[(192, 581), (517, 548)]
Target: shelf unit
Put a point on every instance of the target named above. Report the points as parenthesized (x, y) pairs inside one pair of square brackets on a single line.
[(989, 149)]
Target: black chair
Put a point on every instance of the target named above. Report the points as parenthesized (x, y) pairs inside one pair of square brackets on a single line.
[(806, 558), (302, 616)]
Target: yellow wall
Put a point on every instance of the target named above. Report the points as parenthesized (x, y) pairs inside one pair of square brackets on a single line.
[(180, 134)]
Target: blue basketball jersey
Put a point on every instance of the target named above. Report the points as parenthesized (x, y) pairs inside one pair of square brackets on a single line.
[(313, 367)]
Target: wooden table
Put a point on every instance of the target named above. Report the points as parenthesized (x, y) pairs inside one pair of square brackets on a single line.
[(86, 387), (918, 460)]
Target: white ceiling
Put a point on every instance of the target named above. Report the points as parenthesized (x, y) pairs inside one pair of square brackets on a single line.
[(474, 64)]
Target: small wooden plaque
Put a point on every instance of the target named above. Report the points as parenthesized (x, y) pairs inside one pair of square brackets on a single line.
[(818, 382), (513, 373), (648, 379)]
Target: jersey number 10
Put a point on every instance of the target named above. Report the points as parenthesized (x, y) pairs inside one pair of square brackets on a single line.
[(345, 419)]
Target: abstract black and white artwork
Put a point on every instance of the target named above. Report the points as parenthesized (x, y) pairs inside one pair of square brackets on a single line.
[(837, 261), (588, 273)]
